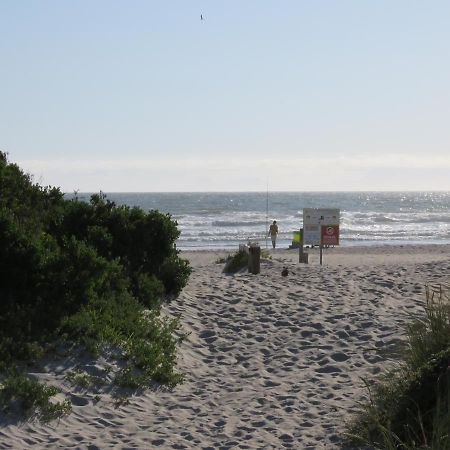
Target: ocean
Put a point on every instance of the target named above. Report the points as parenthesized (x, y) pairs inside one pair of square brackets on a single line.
[(210, 220)]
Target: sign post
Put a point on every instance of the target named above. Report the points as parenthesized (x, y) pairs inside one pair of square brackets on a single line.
[(321, 243), (302, 256), (300, 247)]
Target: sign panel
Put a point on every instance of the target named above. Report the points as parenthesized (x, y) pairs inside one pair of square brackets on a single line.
[(311, 234), (313, 219), (297, 237), (330, 234)]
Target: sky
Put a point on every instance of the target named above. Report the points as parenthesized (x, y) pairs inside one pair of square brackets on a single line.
[(144, 96)]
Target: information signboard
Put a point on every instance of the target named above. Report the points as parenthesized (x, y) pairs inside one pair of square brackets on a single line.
[(313, 219)]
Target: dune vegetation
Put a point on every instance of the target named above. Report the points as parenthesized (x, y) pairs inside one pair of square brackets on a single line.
[(409, 407), (235, 262), (83, 274)]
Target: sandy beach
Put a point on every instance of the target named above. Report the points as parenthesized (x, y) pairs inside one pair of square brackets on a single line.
[(270, 362)]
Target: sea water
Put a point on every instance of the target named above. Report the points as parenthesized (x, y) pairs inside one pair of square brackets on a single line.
[(210, 220)]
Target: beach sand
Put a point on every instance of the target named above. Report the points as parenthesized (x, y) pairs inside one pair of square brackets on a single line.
[(270, 362)]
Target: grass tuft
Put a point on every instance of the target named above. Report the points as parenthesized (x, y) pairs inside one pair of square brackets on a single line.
[(265, 254), (84, 380), (409, 406), (235, 263)]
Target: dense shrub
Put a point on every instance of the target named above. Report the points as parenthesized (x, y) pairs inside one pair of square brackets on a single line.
[(142, 242), (42, 282), (34, 207), (86, 270), (174, 273), (148, 289)]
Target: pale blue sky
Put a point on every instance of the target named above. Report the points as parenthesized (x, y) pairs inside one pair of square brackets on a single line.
[(307, 95)]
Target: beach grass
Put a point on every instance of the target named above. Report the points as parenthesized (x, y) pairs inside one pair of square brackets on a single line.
[(236, 262), (409, 406)]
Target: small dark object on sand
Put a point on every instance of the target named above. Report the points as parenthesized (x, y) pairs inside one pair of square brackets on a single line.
[(284, 272)]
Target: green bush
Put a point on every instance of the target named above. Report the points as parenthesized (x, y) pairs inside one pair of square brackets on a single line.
[(19, 393), (144, 243), (44, 282), (85, 271), (148, 342), (174, 273), (33, 207), (148, 290)]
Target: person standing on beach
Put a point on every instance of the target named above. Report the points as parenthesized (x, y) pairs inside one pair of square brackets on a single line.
[(273, 231)]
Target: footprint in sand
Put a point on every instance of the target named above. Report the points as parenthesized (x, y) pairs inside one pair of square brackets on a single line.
[(78, 401), (271, 383), (259, 423), (339, 357), (328, 369), (208, 335)]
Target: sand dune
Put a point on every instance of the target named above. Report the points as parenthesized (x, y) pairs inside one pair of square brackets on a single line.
[(270, 362)]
